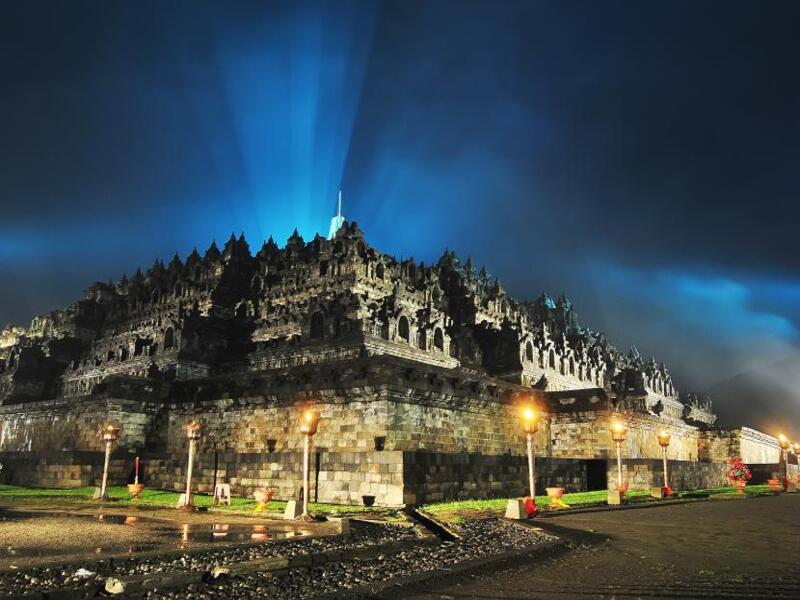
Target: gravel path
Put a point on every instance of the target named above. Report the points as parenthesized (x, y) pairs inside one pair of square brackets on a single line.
[(45, 578), (482, 538)]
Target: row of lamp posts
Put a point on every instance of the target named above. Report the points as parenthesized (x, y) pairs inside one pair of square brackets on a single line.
[(618, 430), (309, 423), (308, 427)]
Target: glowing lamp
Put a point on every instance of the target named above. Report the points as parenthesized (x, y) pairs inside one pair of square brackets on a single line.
[(663, 438), (193, 430), (110, 433), (309, 422), (618, 431), (783, 442), (530, 420)]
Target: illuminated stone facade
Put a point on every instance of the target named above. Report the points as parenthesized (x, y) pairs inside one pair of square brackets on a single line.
[(401, 358)]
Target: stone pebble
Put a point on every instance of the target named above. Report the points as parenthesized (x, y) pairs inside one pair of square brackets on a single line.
[(38, 579), (481, 538)]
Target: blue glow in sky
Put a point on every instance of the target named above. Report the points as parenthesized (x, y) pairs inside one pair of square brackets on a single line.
[(233, 122), (640, 157)]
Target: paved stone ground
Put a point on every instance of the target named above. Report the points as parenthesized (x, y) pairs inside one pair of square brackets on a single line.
[(717, 549), (38, 536), (291, 568)]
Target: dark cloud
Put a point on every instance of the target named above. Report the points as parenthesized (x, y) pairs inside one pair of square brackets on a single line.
[(641, 157)]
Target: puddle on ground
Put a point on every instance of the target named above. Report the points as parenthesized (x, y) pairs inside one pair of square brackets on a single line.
[(205, 532), (159, 534)]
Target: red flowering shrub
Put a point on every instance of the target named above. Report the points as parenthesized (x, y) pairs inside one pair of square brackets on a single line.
[(737, 470), (530, 506)]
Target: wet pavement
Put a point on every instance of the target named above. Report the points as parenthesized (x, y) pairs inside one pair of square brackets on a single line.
[(176, 571), (737, 548), (480, 540), (35, 537), (198, 556)]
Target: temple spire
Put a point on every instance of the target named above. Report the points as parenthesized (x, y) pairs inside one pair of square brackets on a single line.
[(337, 221)]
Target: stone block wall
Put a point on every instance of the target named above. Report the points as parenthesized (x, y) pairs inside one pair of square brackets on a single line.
[(59, 425), (718, 445), (586, 434), (756, 447), (435, 476), (763, 472), (531, 373), (255, 442), (463, 425), (63, 470), (345, 348), (642, 474), (753, 446), (444, 435), (378, 346), (336, 477), (246, 425)]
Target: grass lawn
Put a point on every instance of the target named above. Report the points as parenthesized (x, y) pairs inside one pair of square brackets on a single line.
[(454, 512), (15, 496), (726, 491)]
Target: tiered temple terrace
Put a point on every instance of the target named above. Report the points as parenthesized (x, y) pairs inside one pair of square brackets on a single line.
[(418, 372)]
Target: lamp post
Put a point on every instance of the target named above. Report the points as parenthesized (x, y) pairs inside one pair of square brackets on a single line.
[(193, 433), (618, 433), (530, 423), (784, 444), (308, 427), (663, 441), (110, 433)]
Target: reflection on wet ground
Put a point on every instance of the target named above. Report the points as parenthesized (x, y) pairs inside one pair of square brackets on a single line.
[(209, 532), (64, 535)]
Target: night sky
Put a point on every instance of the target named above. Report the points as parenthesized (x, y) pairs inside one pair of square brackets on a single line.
[(642, 157)]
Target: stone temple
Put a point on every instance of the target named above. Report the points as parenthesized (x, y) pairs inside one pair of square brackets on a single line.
[(418, 372)]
